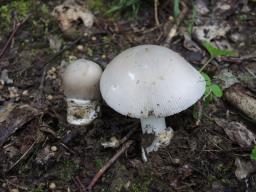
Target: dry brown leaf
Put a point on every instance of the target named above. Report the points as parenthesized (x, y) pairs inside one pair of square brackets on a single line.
[(237, 132), (70, 12)]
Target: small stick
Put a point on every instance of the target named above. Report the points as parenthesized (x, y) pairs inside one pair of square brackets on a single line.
[(81, 186), (156, 12), (129, 134), (173, 30), (108, 164), (14, 31), (24, 155), (200, 112)]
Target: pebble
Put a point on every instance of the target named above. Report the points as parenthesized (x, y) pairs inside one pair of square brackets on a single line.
[(103, 56), (54, 148), (14, 190), (80, 47), (52, 186), (49, 97)]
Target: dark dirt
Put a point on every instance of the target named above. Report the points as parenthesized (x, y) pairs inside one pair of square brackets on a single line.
[(45, 149)]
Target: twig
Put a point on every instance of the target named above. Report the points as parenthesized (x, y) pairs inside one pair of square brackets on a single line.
[(206, 63), (14, 31), (125, 138), (81, 186), (173, 30), (66, 147), (18, 186), (108, 164), (24, 155), (200, 112), (156, 12), (238, 59)]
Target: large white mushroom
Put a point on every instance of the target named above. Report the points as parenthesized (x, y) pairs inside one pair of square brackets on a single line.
[(81, 88), (151, 82)]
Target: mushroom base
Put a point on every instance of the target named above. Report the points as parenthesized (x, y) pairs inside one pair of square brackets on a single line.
[(155, 135), (82, 112)]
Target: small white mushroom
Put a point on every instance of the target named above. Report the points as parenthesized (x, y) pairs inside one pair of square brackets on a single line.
[(81, 87), (151, 82)]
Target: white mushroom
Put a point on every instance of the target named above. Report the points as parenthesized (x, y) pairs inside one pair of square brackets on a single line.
[(151, 82), (81, 87)]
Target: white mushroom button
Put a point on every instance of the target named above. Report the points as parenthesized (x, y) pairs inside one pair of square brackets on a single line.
[(81, 88), (151, 82)]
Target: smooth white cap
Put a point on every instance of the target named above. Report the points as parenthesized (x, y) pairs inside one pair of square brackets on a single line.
[(81, 80), (150, 80)]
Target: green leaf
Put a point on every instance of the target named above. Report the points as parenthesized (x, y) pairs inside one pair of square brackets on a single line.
[(216, 90), (215, 52), (207, 79), (176, 8), (253, 153)]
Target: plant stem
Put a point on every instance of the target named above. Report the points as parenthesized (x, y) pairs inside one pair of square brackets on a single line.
[(206, 63)]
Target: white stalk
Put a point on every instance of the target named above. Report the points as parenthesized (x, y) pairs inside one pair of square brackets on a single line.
[(82, 112), (156, 126)]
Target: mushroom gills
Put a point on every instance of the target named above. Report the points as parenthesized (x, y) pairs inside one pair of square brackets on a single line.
[(82, 112), (162, 134)]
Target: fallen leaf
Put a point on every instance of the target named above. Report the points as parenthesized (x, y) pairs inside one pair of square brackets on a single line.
[(237, 132), (243, 168), (71, 12), (15, 119), (5, 111)]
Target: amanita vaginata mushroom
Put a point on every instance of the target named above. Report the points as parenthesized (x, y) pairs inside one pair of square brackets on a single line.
[(151, 82), (81, 88)]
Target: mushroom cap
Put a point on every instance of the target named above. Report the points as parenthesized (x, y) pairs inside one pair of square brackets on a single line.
[(150, 80), (81, 80)]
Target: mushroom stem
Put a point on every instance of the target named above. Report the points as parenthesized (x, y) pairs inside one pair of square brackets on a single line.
[(157, 127), (82, 112), (153, 125)]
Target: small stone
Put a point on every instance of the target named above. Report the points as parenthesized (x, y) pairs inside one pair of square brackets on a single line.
[(25, 93), (176, 161), (80, 47), (52, 186), (171, 18), (103, 56), (49, 97), (54, 148), (14, 190)]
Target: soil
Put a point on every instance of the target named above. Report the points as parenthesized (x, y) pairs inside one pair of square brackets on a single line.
[(44, 149)]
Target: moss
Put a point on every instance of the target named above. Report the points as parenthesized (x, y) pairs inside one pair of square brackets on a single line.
[(18, 10), (38, 189), (97, 6), (67, 170), (141, 185), (21, 9), (98, 163)]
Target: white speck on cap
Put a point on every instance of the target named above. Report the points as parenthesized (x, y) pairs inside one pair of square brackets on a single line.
[(150, 80)]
